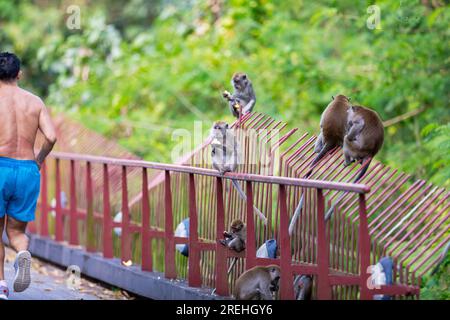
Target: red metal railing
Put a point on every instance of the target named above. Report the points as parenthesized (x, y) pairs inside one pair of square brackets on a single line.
[(406, 220), (326, 276)]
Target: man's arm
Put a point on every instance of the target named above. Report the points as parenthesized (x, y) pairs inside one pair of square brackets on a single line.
[(48, 130)]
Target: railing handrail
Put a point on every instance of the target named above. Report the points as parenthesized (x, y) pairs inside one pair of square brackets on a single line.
[(306, 183)]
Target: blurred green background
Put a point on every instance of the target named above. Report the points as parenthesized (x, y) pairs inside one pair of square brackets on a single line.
[(138, 69)]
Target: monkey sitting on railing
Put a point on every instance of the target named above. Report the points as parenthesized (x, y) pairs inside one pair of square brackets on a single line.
[(236, 237), (243, 97)]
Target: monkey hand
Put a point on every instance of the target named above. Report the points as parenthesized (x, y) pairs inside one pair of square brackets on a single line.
[(224, 242), (226, 95), (226, 234)]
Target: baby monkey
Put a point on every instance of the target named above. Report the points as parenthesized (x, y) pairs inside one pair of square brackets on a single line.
[(236, 237), (243, 96)]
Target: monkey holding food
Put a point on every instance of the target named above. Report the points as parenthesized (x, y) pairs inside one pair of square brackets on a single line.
[(243, 96), (235, 239), (257, 283)]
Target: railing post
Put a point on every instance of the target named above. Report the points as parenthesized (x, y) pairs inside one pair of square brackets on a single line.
[(90, 236), (221, 253), (323, 284), (125, 249), (147, 263), (286, 278), (107, 221), (194, 276), (364, 249), (73, 238), (58, 212), (250, 251), (44, 201), (169, 254)]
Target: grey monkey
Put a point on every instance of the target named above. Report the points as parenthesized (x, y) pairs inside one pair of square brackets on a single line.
[(243, 96)]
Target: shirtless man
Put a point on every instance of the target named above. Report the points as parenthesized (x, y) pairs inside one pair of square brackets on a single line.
[(22, 114)]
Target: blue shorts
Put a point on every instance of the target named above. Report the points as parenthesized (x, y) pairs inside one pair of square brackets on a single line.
[(19, 188)]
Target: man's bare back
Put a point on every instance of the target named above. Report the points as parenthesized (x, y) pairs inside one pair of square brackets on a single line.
[(22, 115)]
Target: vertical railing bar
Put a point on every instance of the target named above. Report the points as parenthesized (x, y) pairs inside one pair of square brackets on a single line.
[(107, 221), (221, 253), (147, 262), (44, 201), (58, 212), (90, 240), (169, 254), (250, 255), (286, 288), (73, 237), (364, 249), (194, 276), (125, 249), (324, 288)]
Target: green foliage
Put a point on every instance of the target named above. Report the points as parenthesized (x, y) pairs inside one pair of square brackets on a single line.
[(129, 72), (139, 69), (437, 287)]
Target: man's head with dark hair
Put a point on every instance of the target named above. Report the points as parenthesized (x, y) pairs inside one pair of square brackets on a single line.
[(9, 67)]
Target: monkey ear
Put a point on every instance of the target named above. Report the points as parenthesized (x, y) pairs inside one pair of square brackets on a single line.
[(244, 76), (226, 126)]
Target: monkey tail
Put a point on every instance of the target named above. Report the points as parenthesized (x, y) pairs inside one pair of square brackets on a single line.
[(299, 207), (366, 165), (359, 177), (244, 197), (296, 214), (444, 254)]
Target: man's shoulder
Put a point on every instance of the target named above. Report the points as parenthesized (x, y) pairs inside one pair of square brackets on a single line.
[(32, 98)]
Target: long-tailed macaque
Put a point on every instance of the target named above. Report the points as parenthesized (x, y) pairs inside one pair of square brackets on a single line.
[(243, 96), (257, 283), (363, 140), (333, 123), (235, 238), (224, 154)]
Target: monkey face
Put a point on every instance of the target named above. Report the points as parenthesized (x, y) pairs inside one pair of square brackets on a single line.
[(274, 272), (236, 226), (219, 129), (239, 81)]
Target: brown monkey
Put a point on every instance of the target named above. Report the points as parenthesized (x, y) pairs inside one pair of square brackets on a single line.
[(364, 137), (224, 154), (243, 96), (256, 283), (236, 237), (333, 123), (363, 140)]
